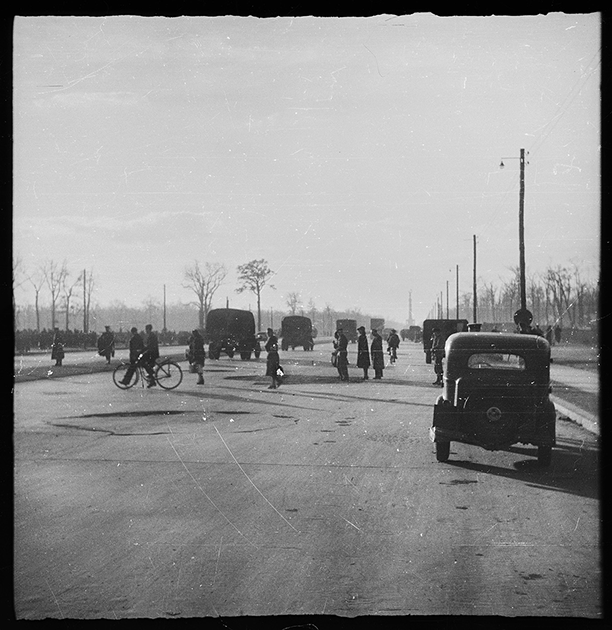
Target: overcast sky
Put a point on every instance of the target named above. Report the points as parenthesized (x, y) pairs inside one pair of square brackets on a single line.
[(358, 156)]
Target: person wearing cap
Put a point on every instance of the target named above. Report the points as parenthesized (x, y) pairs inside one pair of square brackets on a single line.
[(363, 353), (197, 354), (437, 350), (342, 349), (106, 344), (378, 358), (151, 353), (57, 347), (393, 342), (137, 348)]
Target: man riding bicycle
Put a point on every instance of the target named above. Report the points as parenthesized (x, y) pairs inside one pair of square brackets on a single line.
[(140, 354)]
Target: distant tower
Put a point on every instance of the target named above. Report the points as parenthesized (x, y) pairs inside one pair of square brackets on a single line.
[(410, 320)]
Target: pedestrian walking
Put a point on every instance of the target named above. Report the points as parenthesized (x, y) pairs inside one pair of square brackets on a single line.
[(197, 354), (437, 351), (137, 349), (557, 334), (106, 344), (378, 357), (363, 353), (273, 368), (57, 347), (393, 342), (342, 350)]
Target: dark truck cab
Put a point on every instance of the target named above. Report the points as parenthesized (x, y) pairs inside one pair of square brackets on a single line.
[(296, 330), (231, 330), (496, 393)]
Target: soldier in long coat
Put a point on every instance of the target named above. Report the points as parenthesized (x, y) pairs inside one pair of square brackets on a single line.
[(363, 353), (378, 357), (57, 347), (273, 360)]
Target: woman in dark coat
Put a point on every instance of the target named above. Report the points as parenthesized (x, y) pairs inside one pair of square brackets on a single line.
[(363, 354), (57, 347), (273, 362), (378, 358)]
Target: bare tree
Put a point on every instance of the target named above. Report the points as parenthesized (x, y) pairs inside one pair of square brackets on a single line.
[(54, 277), (204, 283), (559, 283), (19, 278), (67, 290), (254, 277), (88, 287), (37, 280), (490, 292), (313, 310), (293, 301)]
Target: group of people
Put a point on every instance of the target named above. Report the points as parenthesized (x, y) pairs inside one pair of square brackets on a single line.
[(367, 356)]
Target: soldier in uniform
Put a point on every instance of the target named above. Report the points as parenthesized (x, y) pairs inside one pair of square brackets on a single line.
[(378, 357), (437, 350), (342, 349)]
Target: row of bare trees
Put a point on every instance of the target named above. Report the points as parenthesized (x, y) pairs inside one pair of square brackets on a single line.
[(560, 296), (68, 294)]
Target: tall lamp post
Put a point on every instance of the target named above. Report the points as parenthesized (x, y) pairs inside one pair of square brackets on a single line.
[(523, 289)]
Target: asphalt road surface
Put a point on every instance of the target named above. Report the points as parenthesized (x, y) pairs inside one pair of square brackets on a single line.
[(320, 497)]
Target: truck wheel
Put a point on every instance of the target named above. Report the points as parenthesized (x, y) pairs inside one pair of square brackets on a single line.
[(257, 353), (245, 356), (544, 455), (442, 451)]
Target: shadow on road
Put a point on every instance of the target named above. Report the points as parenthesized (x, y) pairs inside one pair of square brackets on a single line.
[(574, 468)]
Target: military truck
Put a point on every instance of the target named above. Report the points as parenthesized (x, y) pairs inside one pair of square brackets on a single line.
[(232, 331), (447, 328), (349, 328), (296, 330)]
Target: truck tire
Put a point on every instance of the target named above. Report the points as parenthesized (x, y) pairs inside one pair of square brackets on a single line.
[(442, 451)]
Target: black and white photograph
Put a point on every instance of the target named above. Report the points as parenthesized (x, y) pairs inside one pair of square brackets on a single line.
[(306, 317)]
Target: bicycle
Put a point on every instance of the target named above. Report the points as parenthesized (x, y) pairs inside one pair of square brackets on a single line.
[(167, 374)]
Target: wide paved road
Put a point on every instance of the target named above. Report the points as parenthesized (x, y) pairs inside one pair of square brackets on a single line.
[(321, 497)]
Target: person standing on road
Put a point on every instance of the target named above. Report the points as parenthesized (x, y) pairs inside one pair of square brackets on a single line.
[(363, 353), (57, 347), (151, 352), (197, 354), (106, 344), (273, 361), (393, 343), (342, 350), (557, 334), (378, 357), (437, 350)]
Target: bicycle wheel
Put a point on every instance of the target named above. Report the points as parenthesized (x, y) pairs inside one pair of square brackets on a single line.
[(168, 374), (119, 374)]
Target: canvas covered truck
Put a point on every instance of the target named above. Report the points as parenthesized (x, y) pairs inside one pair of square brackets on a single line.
[(349, 327), (232, 331), (296, 330)]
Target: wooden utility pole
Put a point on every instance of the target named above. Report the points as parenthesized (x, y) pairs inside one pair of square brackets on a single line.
[(474, 285), (85, 302), (457, 287), (164, 329), (522, 232)]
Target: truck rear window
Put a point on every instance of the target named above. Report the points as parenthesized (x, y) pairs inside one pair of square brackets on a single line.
[(490, 361)]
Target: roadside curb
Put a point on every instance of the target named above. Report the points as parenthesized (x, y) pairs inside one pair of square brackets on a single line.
[(571, 412)]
